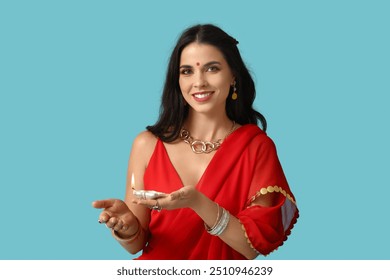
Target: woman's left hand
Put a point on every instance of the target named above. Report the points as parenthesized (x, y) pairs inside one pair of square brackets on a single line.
[(186, 197)]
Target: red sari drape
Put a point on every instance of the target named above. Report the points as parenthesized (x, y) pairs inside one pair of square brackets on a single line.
[(244, 167)]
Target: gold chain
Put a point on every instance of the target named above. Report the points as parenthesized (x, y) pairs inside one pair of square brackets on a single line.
[(199, 146)]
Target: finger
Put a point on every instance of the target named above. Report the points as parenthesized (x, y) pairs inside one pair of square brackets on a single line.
[(139, 201), (125, 227), (176, 195), (146, 202), (104, 217), (103, 203), (118, 226), (111, 223)]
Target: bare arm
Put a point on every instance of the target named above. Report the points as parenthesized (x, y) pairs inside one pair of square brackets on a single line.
[(130, 221), (234, 234)]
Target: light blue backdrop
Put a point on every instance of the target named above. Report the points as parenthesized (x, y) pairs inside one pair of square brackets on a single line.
[(79, 79)]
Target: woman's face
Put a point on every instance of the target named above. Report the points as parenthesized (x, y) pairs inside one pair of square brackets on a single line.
[(205, 78)]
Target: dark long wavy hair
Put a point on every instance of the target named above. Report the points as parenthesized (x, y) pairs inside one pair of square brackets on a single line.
[(174, 111)]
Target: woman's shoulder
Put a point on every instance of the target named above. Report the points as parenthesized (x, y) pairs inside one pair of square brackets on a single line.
[(143, 147), (145, 141)]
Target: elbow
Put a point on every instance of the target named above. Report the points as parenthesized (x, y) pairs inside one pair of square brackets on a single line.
[(133, 251), (135, 248), (251, 255)]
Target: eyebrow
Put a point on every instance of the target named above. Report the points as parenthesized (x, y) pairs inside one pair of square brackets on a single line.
[(206, 65)]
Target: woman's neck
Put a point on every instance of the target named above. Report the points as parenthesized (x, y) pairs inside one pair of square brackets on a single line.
[(208, 128)]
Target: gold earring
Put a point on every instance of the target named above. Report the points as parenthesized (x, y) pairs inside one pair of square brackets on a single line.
[(234, 95)]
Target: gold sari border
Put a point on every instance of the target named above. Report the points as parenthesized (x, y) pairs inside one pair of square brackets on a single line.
[(247, 238), (271, 189)]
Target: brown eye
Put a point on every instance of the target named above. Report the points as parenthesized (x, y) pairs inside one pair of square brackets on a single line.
[(186, 71), (212, 69)]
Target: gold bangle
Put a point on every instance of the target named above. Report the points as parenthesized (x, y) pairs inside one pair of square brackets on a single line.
[(216, 221)]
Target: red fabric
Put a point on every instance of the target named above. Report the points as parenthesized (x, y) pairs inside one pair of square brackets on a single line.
[(245, 163)]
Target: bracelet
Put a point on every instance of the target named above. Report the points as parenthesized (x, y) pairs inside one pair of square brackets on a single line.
[(221, 223), (131, 238), (216, 221)]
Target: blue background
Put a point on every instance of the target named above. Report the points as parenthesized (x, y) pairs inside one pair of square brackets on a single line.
[(80, 79)]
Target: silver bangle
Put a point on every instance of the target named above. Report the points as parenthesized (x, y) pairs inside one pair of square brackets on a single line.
[(221, 223)]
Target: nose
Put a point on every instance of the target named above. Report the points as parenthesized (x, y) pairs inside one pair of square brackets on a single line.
[(200, 80)]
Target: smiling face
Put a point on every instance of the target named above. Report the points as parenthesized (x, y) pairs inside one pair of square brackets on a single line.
[(205, 78)]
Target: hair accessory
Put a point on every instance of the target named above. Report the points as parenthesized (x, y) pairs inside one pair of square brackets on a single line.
[(234, 95), (200, 146)]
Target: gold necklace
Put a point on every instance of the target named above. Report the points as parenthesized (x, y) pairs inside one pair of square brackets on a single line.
[(199, 146)]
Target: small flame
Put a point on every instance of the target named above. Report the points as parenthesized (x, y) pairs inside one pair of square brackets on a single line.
[(132, 181)]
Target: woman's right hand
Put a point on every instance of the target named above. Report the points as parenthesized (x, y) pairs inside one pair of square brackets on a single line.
[(117, 216)]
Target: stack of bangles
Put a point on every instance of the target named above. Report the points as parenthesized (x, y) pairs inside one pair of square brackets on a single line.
[(131, 238), (221, 223)]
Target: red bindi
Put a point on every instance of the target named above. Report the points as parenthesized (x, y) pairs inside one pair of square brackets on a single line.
[(197, 64)]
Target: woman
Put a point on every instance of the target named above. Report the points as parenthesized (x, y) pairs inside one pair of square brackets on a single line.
[(223, 194)]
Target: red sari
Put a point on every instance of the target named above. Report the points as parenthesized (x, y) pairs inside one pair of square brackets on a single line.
[(244, 167)]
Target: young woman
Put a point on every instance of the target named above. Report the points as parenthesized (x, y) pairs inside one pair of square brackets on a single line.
[(222, 191)]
